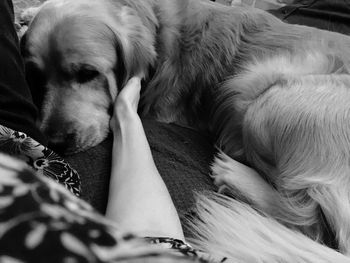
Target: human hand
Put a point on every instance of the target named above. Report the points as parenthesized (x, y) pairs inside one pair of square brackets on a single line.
[(126, 104)]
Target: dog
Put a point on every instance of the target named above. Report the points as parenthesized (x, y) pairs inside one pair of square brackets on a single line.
[(274, 96)]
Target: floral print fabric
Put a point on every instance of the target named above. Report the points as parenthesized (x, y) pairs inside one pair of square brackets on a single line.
[(43, 160)]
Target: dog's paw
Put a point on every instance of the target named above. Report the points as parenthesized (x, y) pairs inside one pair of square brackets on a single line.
[(224, 172), (236, 179), (28, 14), (221, 181), (230, 174)]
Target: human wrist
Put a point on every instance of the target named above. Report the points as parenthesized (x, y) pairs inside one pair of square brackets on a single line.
[(124, 121)]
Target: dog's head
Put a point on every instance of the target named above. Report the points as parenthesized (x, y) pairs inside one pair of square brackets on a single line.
[(77, 55)]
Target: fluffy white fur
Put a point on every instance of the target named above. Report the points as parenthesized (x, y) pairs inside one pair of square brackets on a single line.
[(234, 230)]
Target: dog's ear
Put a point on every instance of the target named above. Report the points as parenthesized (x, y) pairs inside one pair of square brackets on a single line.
[(135, 43), (119, 76), (113, 87), (121, 70)]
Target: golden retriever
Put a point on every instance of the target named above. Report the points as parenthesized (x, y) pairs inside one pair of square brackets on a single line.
[(275, 96)]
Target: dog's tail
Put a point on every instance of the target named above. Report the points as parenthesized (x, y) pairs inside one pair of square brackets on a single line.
[(225, 227)]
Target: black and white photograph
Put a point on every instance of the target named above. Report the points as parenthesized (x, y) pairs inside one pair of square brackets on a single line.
[(163, 131)]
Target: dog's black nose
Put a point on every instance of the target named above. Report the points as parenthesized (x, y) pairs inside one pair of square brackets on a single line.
[(59, 147), (61, 144)]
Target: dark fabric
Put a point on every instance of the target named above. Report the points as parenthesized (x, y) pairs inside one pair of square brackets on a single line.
[(94, 166), (182, 157), (17, 110), (333, 15)]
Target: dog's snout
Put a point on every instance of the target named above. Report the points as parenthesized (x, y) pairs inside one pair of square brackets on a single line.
[(59, 146), (60, 143), (58, 140)]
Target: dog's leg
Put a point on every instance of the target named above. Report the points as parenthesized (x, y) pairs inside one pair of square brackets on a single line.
[(277, 152), (245, 184), (242, 182), (335, 203), (297, 134)]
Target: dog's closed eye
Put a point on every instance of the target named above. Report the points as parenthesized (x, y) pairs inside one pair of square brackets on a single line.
[(86, 73)]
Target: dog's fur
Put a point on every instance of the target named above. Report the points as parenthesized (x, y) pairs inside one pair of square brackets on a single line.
[(274, 95), (232, 229)]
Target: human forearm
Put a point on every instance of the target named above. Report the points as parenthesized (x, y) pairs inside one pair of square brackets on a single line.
[(138, 199)]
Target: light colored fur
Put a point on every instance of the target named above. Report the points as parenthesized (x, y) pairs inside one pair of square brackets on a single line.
[(232, 229), (273, 95), (191, 46), (85, 33), (296, 134)]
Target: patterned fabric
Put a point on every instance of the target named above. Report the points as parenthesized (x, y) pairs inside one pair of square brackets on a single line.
[(43, 160), (183, 248), (40, 221)]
